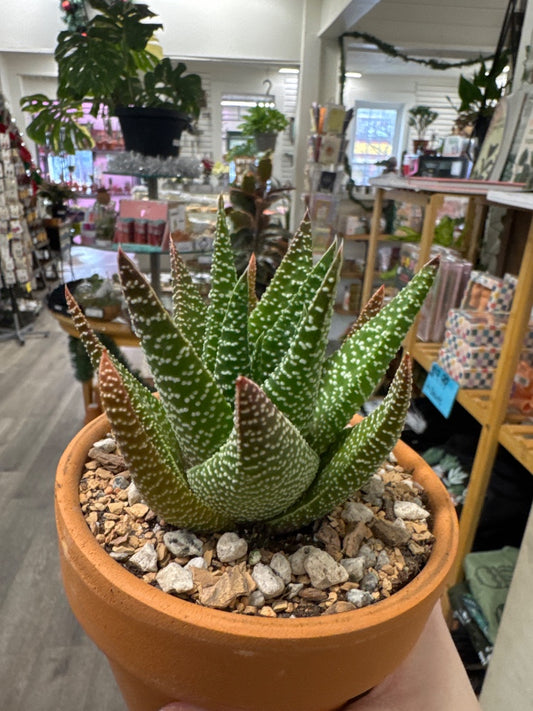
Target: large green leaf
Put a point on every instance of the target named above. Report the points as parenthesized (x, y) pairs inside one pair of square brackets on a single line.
[(223, 281), (354, 371), (293, 386), (271, 348), (290, 274), (190, 309), (193, 402), (233, 358), (149, 408), (155, 472), (264, 466), (360, 455)]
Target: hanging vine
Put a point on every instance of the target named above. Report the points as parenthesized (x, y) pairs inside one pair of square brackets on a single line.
[(391, 51)]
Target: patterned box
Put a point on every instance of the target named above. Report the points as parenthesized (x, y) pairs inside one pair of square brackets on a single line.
[(466, 355), (482, 329), (471, 378)]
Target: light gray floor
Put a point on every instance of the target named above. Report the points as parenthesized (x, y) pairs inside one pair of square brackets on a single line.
[(46, 661)]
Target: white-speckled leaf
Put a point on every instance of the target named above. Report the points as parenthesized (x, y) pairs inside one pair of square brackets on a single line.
[(192, 400), (232, 355), (274, 343), (223, 281), (294, 384), (372, 307), (150, 408), (353, 372), (359, 456), (189, 308), (291, 273), (263, 468), (155, 472)]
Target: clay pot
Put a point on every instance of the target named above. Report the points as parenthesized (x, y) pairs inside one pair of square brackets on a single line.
[(163, 649)]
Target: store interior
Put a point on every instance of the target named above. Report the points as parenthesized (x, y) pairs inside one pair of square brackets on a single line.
[(395, 148)]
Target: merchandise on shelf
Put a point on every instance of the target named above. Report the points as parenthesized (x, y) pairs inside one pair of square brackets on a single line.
[(482, 328), (485, 292)]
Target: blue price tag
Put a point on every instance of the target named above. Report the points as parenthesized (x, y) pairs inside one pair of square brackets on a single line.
[(440, 389)]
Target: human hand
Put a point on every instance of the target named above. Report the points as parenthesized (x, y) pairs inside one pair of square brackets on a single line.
[(431, 678)]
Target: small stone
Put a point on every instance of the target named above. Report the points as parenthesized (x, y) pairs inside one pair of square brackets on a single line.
[(370, 582), (340, 606), (174, 578), (392, 458), (353, 539), (359, 598), (355, 568), (280, 606), (355, 511), (116, 507), (313, 595), (369, 554), (382, 561), (327, 535), (145, 559), (257, 599), (231, 547), (197, 562), (134, 495), (323, 570), (106, 445), (138, 510), (183, 543), (121, 554), (374, 486), (228, 587), (297, 559), (293, 589), (119, 482), (409, 511), (254, 557), (391, 533), (267, 611), (270, 584), (281, 566)]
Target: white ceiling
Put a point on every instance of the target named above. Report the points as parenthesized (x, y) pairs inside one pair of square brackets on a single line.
[(443, 29)]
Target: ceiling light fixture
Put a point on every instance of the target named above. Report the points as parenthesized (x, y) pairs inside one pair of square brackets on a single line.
[(288, 70), (353, 75)]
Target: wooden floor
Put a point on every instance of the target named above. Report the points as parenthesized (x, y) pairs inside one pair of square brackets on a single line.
[(47, 663)]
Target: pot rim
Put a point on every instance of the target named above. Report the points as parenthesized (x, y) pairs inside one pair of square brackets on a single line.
[(431, 577)]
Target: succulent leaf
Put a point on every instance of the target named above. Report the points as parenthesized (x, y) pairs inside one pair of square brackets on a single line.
[(294, 384), (223, 281), (150, 408), (232, 355), (352, 373), (292, 272), (252, 276), (154, 469), (263, 467), (359, 456), (272, 346), (372, 307), (193, 402), (190, 309)]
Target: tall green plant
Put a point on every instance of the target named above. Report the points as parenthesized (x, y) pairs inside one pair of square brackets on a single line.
[(250, 424), (109, 64)]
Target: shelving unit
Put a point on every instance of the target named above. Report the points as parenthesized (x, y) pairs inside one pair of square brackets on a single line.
[(488, 407)]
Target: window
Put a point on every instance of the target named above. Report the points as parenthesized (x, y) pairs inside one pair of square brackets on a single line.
[(375, 138)]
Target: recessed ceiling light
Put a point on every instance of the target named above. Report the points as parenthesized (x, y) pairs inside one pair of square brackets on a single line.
[(353, 75), (288, 70)]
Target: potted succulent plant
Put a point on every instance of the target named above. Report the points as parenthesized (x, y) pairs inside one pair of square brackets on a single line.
[(112, 63), (420, 118), (248, 434), (263, 123)]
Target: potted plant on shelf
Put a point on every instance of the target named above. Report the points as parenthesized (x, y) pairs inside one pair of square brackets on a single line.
[(55, 196), (420, 118), (248, 434), (113, 64), (264, 123)]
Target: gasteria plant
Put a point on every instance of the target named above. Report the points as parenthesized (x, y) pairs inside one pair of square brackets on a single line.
[(251, 420)]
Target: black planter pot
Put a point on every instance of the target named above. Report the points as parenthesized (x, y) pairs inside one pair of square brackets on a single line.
[(265, 141), (152, 132)]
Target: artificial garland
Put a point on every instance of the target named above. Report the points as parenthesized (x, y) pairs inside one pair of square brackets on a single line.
[(391, 51)]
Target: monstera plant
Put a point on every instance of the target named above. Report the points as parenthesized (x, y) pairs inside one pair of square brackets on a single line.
[(250, 424)]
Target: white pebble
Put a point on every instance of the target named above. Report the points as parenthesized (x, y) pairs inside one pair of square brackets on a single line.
[(231, 547), (174, 578), (409, 511)]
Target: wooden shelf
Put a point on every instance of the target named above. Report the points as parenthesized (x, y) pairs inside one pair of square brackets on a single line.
[(518, 440), (366, 237)]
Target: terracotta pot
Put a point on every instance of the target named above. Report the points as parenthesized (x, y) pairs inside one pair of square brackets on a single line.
[(164, 649)]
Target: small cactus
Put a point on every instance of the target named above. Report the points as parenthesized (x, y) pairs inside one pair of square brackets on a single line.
[(251, 420)]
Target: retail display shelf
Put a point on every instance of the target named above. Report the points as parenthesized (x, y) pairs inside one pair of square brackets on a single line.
[(518, 440), (365, 237), (475, 402)]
